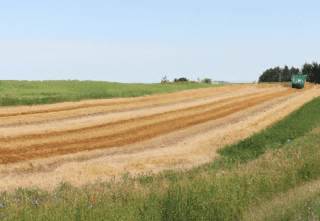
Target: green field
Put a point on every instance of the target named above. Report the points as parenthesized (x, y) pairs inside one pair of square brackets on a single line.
[(14, 93), (272, 175)]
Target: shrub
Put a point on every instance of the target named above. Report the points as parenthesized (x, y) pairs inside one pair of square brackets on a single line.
[(206, 81), (182, 79)]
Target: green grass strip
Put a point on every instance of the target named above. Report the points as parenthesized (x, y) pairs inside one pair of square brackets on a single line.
[(295, 125)]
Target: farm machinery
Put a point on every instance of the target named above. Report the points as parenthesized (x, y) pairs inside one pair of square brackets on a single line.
[(298, 81)]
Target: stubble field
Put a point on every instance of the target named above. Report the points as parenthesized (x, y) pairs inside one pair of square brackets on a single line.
[(79, 142)]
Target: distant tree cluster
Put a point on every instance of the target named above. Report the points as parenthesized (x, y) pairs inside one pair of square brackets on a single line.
[(278, 74), (312, 72), (206, 81), (181, 79)]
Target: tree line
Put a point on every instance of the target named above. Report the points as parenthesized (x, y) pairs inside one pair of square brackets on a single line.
[(183, 79), (277, 74)]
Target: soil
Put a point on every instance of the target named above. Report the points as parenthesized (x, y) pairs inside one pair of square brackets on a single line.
[(286, 85), (81, 142)]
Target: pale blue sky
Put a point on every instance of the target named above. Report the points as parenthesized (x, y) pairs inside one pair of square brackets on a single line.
[(142, 41)]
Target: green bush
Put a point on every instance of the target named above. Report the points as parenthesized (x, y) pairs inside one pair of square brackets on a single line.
[(180, 79), (206, 81)]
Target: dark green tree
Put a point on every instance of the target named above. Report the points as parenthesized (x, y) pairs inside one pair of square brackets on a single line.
[(182, 79), (271, 75), (312, 72), (264, 76), (294, 71), (307, 70), (315, 73), (285, 74), (277, 74)]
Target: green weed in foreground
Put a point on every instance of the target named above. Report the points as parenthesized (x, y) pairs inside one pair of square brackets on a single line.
[(263, 177)]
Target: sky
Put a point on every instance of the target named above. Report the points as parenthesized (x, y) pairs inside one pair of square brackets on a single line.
[(143, 41)]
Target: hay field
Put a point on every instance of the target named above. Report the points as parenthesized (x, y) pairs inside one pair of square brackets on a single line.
[(79, 142)]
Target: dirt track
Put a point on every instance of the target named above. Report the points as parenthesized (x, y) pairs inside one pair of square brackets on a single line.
[(45, 144)]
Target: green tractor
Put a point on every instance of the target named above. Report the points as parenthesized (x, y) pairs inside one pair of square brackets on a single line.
[(298, 81)]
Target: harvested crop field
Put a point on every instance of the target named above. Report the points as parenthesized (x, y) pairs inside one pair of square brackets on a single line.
[(79, 142)]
